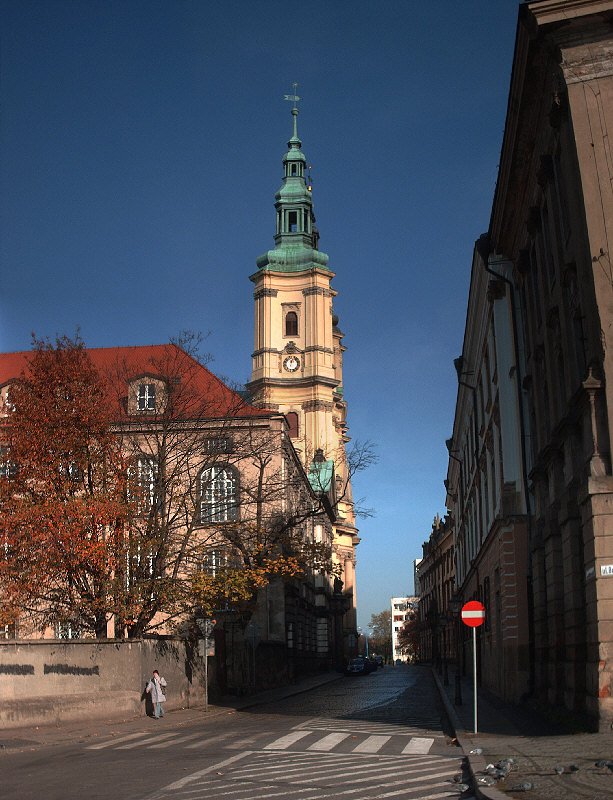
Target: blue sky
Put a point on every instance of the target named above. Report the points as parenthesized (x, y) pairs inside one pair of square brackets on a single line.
[(140, 151)]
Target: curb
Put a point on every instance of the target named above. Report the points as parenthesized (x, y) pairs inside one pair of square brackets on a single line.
[(476, 763)]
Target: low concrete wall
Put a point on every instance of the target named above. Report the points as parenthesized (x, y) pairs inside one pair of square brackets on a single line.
[(46, 681)]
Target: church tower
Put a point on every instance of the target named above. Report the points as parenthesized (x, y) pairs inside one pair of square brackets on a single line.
[(297, 362)]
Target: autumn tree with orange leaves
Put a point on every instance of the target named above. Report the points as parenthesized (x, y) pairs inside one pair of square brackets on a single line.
[(112, 512), (62, 495)]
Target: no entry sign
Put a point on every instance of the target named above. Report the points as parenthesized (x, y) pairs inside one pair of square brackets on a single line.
[(473, 614)]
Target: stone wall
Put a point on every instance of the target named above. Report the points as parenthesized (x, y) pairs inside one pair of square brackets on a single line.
[(46, 681)]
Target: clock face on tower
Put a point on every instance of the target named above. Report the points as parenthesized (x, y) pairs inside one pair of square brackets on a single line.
[(291, 363)]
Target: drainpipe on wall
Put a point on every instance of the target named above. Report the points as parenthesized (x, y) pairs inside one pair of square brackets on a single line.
[(484, 249)]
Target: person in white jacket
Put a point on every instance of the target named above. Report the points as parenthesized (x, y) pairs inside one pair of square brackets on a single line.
[(155, 689)]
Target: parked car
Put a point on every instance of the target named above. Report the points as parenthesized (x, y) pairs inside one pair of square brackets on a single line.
[(369, 663), (358, 666)]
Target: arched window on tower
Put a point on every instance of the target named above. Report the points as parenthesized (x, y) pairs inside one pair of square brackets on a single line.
[(291, 323), (292, 421)]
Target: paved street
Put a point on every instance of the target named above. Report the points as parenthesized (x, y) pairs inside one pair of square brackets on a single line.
[(374, 736)]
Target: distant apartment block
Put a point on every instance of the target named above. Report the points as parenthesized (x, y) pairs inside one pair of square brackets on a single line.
[(403, 609)]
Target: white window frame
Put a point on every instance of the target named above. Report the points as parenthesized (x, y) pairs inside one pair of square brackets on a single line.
[(218, 494), (146, 397)]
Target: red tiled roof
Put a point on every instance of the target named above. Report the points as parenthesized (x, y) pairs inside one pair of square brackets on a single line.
[(210, 397)]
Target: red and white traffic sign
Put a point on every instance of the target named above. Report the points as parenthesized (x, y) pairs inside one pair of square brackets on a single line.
[(473, 614)]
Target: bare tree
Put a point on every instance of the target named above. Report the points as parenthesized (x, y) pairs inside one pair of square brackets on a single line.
[(381, 636), (221, 503)]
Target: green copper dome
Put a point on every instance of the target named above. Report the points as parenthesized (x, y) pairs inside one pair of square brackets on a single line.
[(297, 237)]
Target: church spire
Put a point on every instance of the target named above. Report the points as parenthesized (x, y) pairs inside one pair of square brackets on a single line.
[(296, 236)]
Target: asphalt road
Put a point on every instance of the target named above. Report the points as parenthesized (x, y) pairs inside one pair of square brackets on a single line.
[(376, 736)]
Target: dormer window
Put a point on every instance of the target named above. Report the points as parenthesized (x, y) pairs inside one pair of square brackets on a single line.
[(146, 397)]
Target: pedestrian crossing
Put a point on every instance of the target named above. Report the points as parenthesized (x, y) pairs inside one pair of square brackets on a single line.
[(402, 727), (369, 741), (270, 775)]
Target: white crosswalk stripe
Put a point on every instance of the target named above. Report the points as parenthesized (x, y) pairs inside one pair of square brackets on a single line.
[(148, 741), (206, 739), (287, 741), (328, 742), (371, 745), (114, 741), (418, 745), (179, 740)]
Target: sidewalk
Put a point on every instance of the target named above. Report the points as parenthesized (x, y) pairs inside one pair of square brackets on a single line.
[(83, 730), (535, 744)]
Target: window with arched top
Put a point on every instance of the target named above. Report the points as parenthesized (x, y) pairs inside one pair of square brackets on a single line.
[(218, 494), (292, 421), (291, 323)]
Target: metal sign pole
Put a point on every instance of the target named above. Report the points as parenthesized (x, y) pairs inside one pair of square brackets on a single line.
[(206, 674), (475, 675)]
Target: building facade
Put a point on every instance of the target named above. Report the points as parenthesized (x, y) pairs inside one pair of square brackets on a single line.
[(529, 485), (487, 493), (437, 636), (403, 609), (297, 363), (214, 485)]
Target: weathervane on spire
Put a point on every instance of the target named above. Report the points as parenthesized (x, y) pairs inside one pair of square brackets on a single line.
[(293, 98)]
